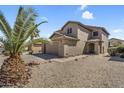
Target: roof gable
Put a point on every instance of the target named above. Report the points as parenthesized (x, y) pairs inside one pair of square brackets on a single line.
[(88, 27), (55, 33)]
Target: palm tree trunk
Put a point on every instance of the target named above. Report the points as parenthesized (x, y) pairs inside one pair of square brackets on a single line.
[(15, 56), (14, 72)]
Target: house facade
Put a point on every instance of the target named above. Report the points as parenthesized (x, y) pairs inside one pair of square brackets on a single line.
[(113, 42), (75, 38), (36, 48)]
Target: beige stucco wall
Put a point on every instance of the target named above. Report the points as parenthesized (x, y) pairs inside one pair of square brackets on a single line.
[(56, 35), (36, 49), (74, 29), (77, 47), (56, 48), (55, 42), (95, 37), (65, 48), (52, 49), (61, 50), (69, 42), (105, 42), (83, 35), (96, 48), (72, 48), (103, 37), (71, 51)]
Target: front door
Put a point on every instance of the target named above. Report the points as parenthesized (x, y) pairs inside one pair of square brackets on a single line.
[(91, 48)]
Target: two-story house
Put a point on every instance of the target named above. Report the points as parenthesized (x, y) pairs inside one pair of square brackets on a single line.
[(75, 38)]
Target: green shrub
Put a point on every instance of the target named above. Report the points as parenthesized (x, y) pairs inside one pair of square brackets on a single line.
[(120, 49), (112, 51)]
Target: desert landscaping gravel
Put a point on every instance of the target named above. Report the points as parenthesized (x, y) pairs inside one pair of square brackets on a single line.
[(92, 71)]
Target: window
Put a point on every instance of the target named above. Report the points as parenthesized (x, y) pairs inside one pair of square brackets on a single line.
[(95, 33), (69, 30)]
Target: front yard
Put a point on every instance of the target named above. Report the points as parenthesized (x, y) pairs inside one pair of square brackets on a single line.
[(92, 71)]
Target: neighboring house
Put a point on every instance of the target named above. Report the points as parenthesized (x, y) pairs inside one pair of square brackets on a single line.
[(36, 48), (37, 45), (113, 42), (75, 38)]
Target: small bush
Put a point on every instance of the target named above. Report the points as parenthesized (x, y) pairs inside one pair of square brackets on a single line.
[(120, 49), (112, 51)]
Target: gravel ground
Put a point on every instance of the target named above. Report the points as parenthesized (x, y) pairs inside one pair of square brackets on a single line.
[(26, 58), (93, 71)]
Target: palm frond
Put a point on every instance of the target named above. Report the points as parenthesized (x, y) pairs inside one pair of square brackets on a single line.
[(23, 20), (23, 29), (28, 34), (32, 29), (7, 44), (26, 19), (4, 26)]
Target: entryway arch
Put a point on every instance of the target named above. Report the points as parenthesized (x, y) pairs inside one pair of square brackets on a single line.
[(91, 48)]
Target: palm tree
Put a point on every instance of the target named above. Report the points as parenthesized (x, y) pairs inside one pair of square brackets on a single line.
[(14, 71), (34, 34)]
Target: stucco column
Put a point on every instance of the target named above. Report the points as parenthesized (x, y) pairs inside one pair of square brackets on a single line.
[(61, 49), (87, 48), (97, 50)]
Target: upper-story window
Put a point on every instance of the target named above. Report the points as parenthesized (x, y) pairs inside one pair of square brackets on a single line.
[(95, 33), (69, 30)]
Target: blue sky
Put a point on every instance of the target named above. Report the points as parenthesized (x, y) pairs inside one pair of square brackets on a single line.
[(110, 17)]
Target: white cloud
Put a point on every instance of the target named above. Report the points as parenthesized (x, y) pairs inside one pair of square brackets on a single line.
[(87, 15), (82, 7), (117, 30)]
